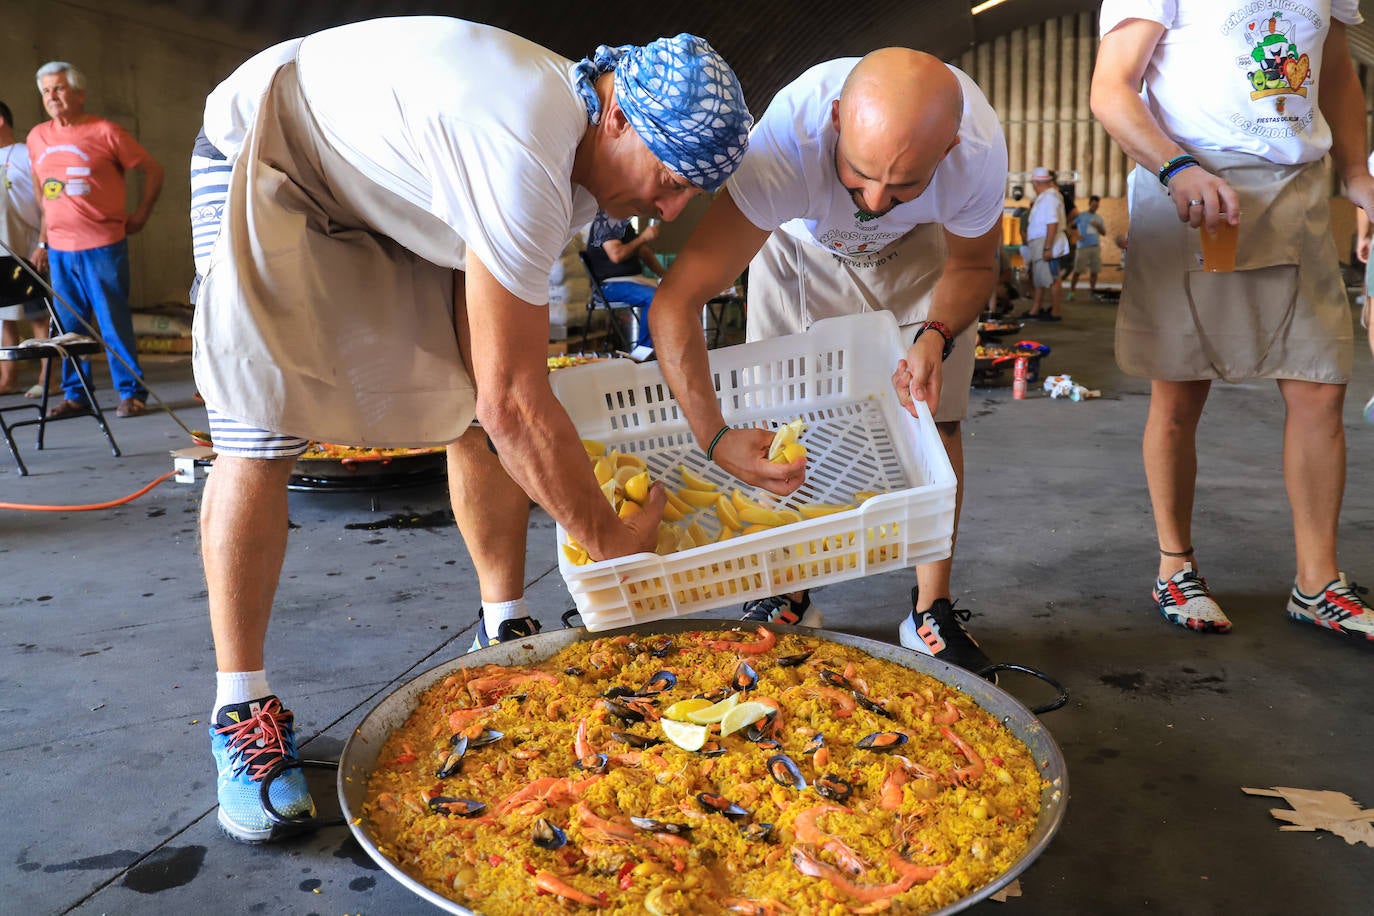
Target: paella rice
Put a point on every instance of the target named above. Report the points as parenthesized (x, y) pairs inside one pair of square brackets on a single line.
[(863, 786)]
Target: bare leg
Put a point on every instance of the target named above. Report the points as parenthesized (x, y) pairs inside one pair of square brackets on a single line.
[(9, 371), (493, 514), (1035, 300), (45, 376), (1314, 473), (932, 579), (1056, 296), (1170, 450), (243, 542)]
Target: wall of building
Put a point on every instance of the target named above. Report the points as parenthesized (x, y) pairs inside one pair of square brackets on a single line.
[(147, 67)]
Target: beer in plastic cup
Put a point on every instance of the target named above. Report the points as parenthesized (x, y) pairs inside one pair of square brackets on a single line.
[(1219, 248)]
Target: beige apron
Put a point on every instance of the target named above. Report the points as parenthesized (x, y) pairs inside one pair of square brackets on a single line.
[(327, 308), (1283, 313), (793, 284)]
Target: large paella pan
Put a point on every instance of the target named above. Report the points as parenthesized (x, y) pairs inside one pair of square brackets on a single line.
[(444, 837)]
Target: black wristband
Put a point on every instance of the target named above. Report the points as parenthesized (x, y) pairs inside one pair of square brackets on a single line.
[(944, 332), (712, 447), (1174, 166)]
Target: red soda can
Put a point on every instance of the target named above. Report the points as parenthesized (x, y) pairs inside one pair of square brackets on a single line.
[(1019, 372)]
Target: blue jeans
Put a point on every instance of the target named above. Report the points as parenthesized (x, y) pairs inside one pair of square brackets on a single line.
[(641, 296), (95, 283)]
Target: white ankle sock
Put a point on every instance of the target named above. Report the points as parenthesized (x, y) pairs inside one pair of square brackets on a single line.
[(238, 687), (496, 612)]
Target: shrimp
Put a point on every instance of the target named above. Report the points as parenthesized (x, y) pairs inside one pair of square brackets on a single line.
[(949, 716), (890, 797), (766, 641), (844, 702), (764, 907), (461, 718), (809, 832), (491, 688), (964, 775), (582, 747), (609, 830), (911, 874), (549, 883)]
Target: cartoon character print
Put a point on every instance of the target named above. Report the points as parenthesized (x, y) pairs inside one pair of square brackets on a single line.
[(52, 188), (1279, 67)]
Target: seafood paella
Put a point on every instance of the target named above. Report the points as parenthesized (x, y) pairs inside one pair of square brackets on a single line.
[(702, 772)]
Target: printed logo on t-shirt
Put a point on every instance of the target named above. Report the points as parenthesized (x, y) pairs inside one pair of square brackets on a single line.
[(52, 189), (857, 245), (1278, 69)]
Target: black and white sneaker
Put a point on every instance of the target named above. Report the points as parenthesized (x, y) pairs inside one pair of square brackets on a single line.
[(782, 609), (938, 631), (506, 630)]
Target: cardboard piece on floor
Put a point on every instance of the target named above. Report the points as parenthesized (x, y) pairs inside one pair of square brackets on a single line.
[(1011, 890), (1317, 809)]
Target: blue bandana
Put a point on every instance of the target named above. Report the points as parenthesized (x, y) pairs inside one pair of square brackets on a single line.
[(683, 101)]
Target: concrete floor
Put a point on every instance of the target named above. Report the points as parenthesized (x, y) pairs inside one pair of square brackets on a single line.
[(108, 798)]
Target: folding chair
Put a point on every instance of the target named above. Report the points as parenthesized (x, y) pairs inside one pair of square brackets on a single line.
[(18, 286), (716, 308), (599, 300)]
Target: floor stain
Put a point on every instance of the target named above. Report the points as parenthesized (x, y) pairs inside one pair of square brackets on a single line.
[(440, 518), (1131, 681), (120, 858), (171, 866), (364, 883), (311, 884), (354, 853)]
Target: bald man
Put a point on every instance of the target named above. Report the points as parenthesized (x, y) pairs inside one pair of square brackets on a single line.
[(873, 183)]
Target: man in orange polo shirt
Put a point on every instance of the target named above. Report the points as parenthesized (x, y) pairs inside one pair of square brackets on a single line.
[(79, 163)]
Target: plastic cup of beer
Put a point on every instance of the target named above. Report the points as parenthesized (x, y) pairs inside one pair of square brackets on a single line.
[(1219, 247)]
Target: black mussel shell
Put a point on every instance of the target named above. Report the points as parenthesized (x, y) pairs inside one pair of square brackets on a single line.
[(458, 807), (719, 804), (636, 741), (612, 693), (517, 697), (882, 741), (759, 833), (452, 764), (658, 682), (593, 763), (623, 711), (785, 772), (757, 731), (792, 661), (488, 736), (573, 671), (833, 787), (815, 743), (659, 648), (711, 749), (744, 678), (715, 696), (657, 826), (769, 744), (835, 679), (871, 706), (547, 835)]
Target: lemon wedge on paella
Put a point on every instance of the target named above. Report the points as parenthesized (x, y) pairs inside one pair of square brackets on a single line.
[(685, 735), (715, 712), (682, 708), (743, 715)]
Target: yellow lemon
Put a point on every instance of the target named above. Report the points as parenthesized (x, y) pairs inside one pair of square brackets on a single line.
[(697, 499), (743, 715), (681, 708), (753, 515), (685, 735), (725, 511), (624, 460), (791, 452), (864, 495), (637, 486), (816, 510), (715, 712), (576, 555), (740, 501), (604, 470), (693, 482), (628, 508), (593, 448)]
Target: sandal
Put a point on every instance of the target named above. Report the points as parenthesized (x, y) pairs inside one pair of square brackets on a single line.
[(68, 408), (35, 392)]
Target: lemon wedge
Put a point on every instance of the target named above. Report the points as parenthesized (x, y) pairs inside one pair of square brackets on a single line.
[(715, 712), (681, 708), (697, 499), (637, 487), (694, 482), (685, 735), (725, 511), (593, 448), (742, 716)]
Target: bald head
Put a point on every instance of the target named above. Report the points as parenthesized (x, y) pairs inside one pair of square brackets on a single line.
[(898, 115)]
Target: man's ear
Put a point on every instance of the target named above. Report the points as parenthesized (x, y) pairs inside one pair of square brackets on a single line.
[(835, 114), (613, 118)]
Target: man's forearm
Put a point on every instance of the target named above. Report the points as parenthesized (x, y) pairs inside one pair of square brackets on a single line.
[(961, 294), (153, 175)]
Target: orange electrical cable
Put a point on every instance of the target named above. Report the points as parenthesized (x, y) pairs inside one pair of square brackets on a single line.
[(109, 505)]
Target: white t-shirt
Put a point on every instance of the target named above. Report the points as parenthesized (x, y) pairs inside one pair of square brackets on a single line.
[(788, 177), (1048, 208), (1238, 74), (21, 208), (469, 122)]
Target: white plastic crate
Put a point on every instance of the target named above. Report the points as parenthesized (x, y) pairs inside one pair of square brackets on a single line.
[(838, 378)]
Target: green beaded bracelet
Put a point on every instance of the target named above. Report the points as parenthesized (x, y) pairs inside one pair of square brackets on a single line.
[(712, 447)]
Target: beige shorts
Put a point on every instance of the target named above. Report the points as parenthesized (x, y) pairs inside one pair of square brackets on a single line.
[(793, 284), (1088, 260)]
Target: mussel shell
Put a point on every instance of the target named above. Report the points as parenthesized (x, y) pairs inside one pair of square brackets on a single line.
[(547, 835), (635, 741), (619, 690), (871, 706), (656, 826), (659, 648), (744, 678), (517, 697), (711, 749), (719, 804), (457, 807), (833, 787), (488, 736), (759, 833), (792, 661), (452, 764), (715, 696), (785, 772), (835, 679), (882, 741), (622, 710), (763, 728), (573, 671), (658, 682), (816, 742), (769, 744), (593, 763)]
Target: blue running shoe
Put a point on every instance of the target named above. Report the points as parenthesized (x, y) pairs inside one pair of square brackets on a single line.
[(249, 742)]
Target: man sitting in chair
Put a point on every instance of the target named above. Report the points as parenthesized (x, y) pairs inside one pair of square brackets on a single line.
[(616, 256)]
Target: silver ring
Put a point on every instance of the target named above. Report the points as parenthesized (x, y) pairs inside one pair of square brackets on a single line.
[(1196, 203)]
